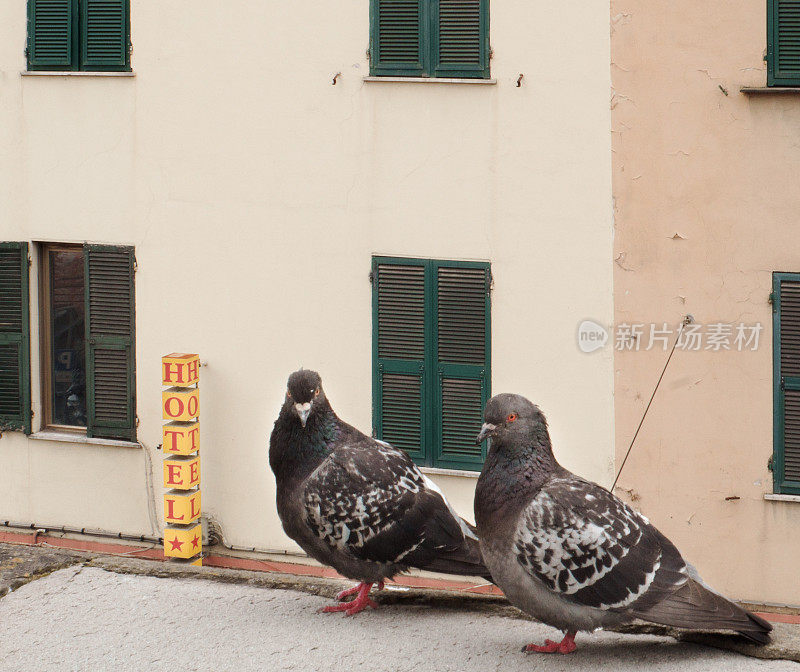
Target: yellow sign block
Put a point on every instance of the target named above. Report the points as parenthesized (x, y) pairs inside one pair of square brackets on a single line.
[(183, 542), (180, 403), (180, 369), (181, 473), (181, 507), (180, 438)]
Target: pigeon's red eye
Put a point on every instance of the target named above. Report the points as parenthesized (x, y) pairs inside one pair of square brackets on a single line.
[(316, 392), (511, 417), (288, 394)]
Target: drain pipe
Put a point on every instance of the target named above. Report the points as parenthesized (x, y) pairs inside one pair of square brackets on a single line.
[(66, 529)]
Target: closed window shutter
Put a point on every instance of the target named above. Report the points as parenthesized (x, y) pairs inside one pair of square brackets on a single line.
[(399, 339), (783, 42), (397, 29), (15, 393), (463, 353), (110, 330), (461, 38), (51, 39), (104, 34), (787, 371)]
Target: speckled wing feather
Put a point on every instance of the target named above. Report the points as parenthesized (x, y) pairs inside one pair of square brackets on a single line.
[(581, 541), (371, 501)]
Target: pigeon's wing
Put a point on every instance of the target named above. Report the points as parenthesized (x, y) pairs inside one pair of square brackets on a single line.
[(370, 500), (584, 543)]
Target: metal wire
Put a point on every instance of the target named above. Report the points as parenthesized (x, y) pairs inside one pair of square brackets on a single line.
[(688, 319)]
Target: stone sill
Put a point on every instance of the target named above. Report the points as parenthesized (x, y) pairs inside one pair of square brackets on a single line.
[(782, 498), (436, 471), (70, 437), (430, 80), (74, 73), (766, 90)]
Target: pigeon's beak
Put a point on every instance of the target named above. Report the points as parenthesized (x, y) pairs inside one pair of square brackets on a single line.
[(302, 411), (487, 430)]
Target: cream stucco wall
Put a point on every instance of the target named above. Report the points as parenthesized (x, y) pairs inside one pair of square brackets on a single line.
[(718, 168), (255, 193)]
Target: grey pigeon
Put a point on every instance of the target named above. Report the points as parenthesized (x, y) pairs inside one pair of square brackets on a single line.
[(571, 554), (358, 504)]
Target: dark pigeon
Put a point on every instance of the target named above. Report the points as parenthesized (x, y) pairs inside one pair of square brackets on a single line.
[(574, 556), (358, 504)]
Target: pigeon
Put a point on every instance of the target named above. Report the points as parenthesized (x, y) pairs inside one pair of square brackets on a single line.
[(574, 556), (358, 504)]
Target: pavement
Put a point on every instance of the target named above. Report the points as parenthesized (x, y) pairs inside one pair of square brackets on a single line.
[(71, 611)]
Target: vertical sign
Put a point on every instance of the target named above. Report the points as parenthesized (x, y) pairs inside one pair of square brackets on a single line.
[(180, 440)]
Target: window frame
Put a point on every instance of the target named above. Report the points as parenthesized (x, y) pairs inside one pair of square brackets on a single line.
[(77, 42), (428, 66), (432, 370), (780, 484)]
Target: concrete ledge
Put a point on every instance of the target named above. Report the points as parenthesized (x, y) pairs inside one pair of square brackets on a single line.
[(74, 73), (430, 80), (69, 437), (782, 498), (785, 644), (769, 90)]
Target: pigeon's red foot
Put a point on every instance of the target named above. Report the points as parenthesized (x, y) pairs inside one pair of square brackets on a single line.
[(352, 591), (360, 603), (566, 645)]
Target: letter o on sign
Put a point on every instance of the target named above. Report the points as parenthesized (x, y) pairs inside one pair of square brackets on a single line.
[(173, 403), (192, 406)]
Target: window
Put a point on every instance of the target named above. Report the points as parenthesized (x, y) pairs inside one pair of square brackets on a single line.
[(431, 358), (786, 373), (86, 310), (89, 35), (783, 42), (429, 38)]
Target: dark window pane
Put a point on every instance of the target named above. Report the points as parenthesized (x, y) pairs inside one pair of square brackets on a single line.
[(67, 329)]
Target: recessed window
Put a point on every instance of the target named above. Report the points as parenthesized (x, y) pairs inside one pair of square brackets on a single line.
[(87, 346), (429, 38)]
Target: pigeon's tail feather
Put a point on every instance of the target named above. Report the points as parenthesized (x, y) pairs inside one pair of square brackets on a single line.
[(696, 607), (466, 560)]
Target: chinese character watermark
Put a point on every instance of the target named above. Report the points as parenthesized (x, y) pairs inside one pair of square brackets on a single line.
[(635, 336)]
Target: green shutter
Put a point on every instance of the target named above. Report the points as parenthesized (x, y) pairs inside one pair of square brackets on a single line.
[(424, 38), (51, 35), (786, 368), (104, 34), (783, 42), (460, 38), (462, 334), (110, 330), (15, 388), (431, 353), (399, 340), (398, 37)]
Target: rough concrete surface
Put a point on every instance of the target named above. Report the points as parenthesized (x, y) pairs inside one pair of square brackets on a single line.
[(21, 564), (85, 618)]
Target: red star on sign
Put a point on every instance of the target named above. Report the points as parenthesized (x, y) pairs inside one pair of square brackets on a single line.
[(176, 545), (195, 541)]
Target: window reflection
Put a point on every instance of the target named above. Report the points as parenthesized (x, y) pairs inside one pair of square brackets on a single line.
[(67, 337)]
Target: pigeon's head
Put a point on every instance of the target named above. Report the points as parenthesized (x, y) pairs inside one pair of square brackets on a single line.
[(512, 419), (303, 392)]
